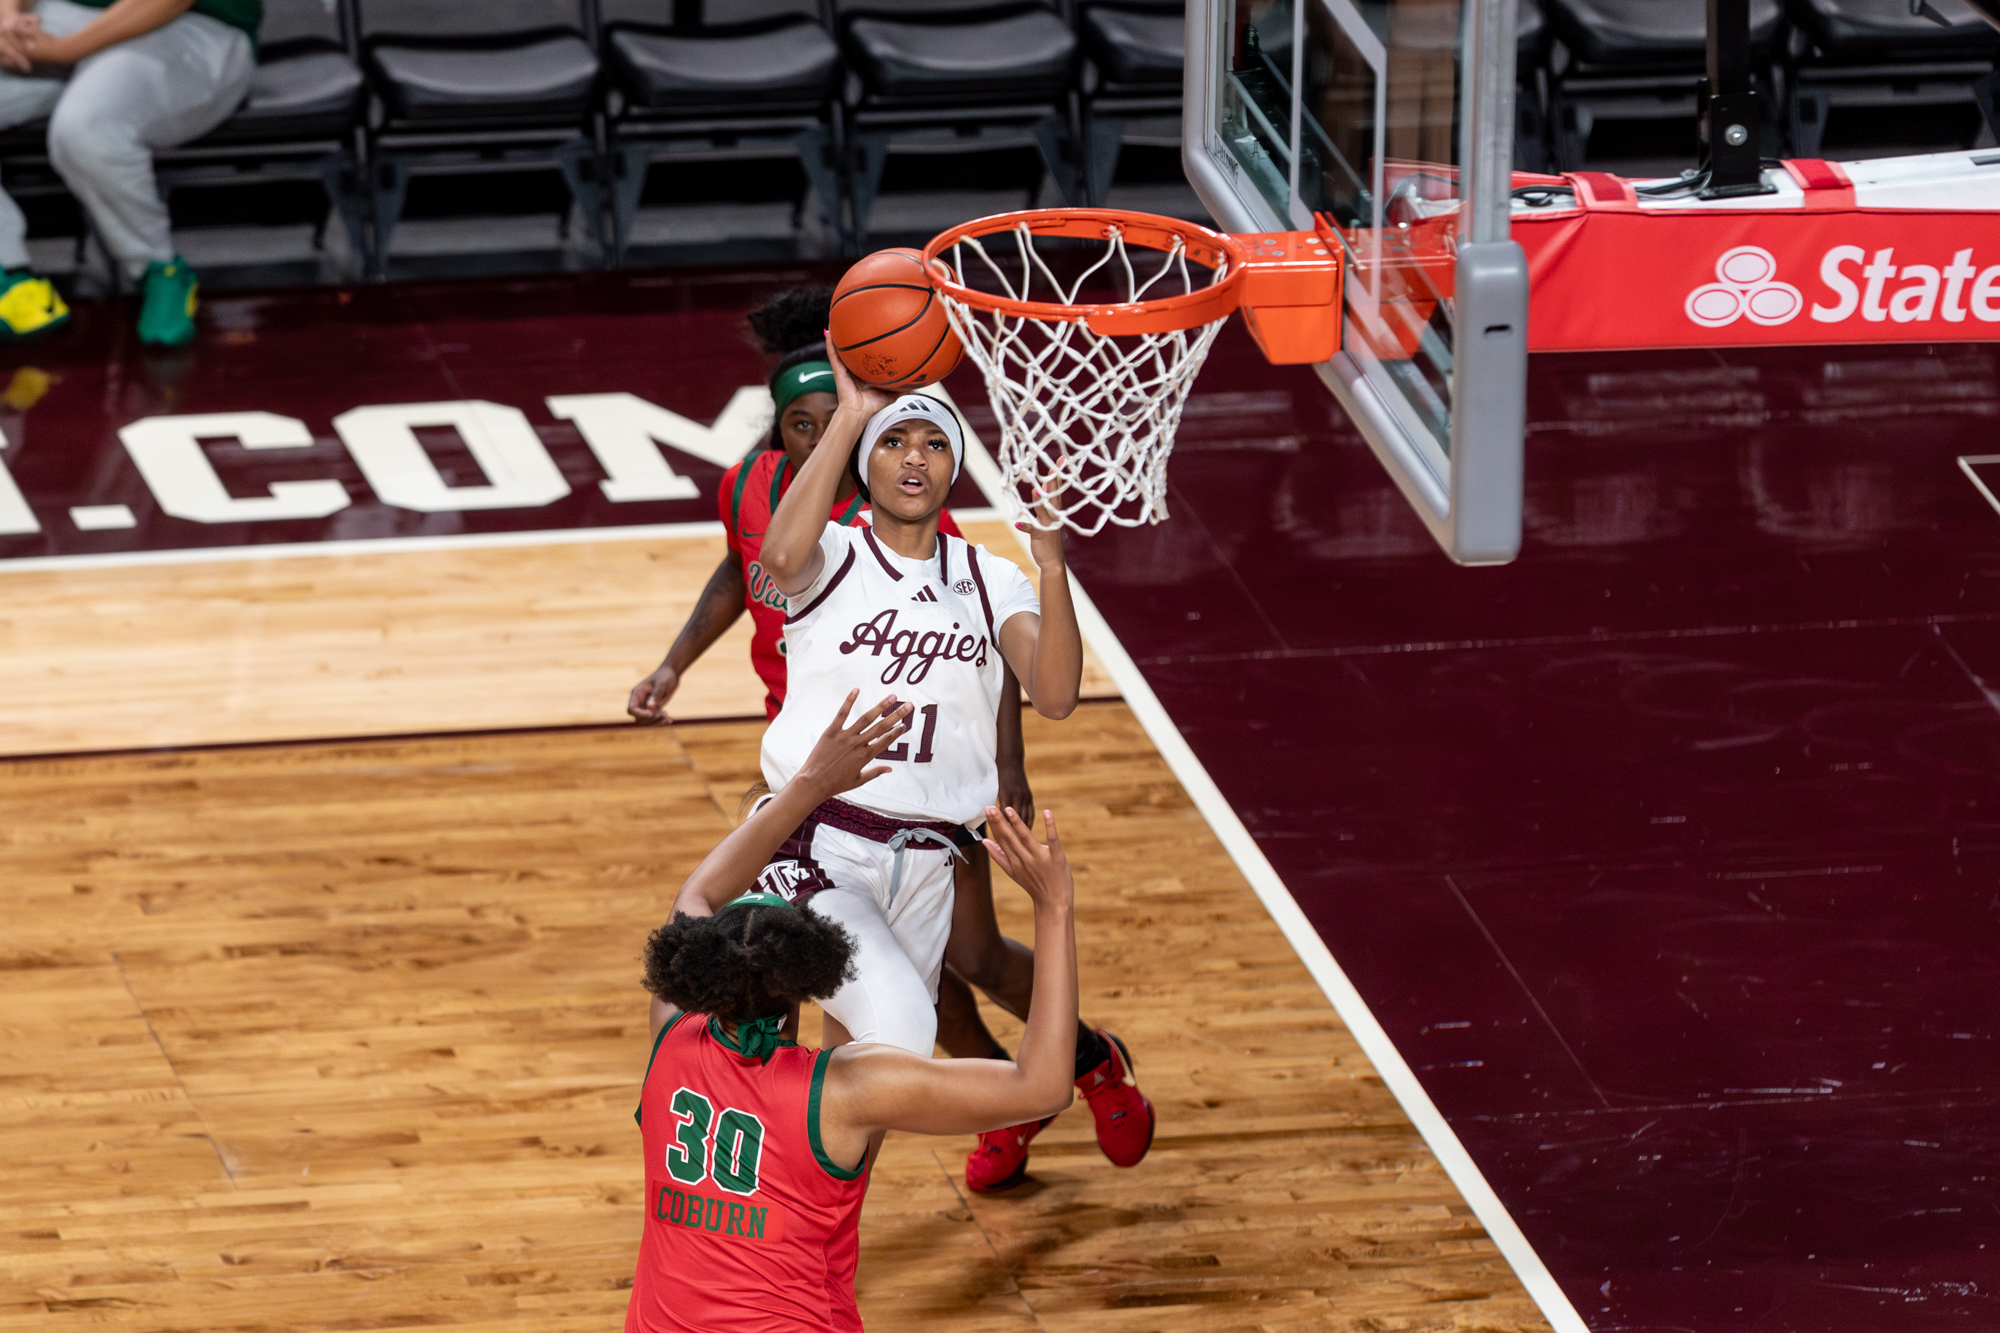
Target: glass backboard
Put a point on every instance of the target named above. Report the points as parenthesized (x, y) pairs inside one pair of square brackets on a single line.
[(1390, 122)]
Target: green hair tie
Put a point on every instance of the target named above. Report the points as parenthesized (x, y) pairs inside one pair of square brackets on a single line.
[(758, 1037), (806, 377)]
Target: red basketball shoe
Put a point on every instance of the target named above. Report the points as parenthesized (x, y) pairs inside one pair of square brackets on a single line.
[(1124, 1116), (1000, 1162)]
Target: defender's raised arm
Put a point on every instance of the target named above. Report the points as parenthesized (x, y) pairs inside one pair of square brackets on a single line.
[(840, 762)]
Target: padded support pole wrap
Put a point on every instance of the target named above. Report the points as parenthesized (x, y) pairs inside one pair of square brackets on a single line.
[(1893, 250), (1491, 300)]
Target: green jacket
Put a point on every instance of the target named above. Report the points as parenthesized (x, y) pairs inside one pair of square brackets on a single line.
[(245, 14)]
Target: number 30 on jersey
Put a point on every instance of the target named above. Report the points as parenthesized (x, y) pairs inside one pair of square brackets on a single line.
[(733, 1140)]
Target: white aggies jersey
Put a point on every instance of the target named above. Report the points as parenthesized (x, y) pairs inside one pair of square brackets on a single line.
[(926, 631)]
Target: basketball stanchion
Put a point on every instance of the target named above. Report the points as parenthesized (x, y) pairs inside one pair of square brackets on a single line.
[(1088, 374)]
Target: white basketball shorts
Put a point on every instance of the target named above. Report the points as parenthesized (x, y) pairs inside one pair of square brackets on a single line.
[(842, 861)]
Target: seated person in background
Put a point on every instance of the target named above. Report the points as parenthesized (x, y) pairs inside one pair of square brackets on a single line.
[(117, 79)]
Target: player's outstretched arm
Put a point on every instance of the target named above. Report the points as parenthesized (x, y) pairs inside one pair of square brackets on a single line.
[(719, 606), (1046, 650), (876, 1087), (791, 554), (840, 762), (1009, 750)]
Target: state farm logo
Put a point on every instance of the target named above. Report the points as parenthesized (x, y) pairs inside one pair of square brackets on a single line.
[(1875, 286), (1745, 287)]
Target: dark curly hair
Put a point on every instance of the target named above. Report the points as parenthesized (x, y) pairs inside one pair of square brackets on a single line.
[(794, 318), (748, 963)]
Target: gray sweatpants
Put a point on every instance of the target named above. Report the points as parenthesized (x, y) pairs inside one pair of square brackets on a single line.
[(159, 90)]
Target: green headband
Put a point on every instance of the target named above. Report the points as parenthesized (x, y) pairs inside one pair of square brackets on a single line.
[(805, 377)]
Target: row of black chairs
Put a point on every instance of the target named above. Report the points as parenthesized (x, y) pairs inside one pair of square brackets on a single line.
[(1585, 61), (361, 95)]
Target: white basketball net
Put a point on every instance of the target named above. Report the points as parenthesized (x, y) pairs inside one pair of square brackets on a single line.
[(1086, 420)]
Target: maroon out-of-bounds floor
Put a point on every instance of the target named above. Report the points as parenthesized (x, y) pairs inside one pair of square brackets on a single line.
[(554, 375), (1668, 855)]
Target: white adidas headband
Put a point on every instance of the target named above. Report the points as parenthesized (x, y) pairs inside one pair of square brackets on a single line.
[(931, 410)]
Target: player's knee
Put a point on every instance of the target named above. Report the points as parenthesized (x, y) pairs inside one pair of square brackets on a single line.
[(913, 1030), (893, 1010), (983, 966), (79, 147)]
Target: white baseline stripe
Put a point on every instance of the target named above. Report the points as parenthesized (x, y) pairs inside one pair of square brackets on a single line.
[(1305, 941), (465, 541)]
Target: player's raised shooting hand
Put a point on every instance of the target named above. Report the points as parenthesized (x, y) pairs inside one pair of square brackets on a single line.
[(1040, 868), (840, 760), (862, 400), (1045, 534)]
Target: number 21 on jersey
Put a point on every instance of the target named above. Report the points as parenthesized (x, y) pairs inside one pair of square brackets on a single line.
[(901, 753)]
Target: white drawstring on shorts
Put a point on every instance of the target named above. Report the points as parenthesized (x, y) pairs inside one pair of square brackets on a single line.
[(901, 840)]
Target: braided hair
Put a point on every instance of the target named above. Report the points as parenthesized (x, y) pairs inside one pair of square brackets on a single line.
[(748, 963)]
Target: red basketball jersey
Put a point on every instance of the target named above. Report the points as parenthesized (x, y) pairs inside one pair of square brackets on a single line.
[(749, 496), (749, 1227)]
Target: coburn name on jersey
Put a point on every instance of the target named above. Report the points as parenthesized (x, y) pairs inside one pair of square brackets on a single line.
[(724, 1217)]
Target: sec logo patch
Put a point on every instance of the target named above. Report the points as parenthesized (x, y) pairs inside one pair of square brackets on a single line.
[(963, 587)]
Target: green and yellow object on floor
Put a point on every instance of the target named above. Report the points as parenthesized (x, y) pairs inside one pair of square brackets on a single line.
[(29, 306), (166, 317)]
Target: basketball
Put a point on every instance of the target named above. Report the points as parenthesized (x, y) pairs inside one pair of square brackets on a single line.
[(889, 324)]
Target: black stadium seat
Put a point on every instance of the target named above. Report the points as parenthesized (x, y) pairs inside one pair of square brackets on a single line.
[(1875, 54), (1132, 85), (1633, 60), (1886, 30), (1531, 86), (1028, 53), (305, 94), (300, 121), (479, 86), (955, 76), (1137, 48), (1647, 32), (786, 60), (542, 77), (704, 79)]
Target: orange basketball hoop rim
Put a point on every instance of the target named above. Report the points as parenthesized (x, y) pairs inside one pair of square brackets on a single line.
[(1286, 283)]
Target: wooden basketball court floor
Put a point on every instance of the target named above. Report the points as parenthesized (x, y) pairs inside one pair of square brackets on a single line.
[(326, 881)]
